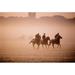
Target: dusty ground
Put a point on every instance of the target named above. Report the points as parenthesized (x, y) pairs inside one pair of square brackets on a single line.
[(20, 52)]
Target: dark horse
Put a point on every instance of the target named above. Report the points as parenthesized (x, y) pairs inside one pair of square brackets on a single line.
[(39, 42), (55, 41), (35, 41), (45, 41)]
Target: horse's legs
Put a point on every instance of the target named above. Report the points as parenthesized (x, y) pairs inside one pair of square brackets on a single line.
[(38, 45), (45, 45), (52, 45), (49, 44), (42, 46), (59, 45)]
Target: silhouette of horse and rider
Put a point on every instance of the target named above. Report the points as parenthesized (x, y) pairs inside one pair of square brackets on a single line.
[(45, 40)]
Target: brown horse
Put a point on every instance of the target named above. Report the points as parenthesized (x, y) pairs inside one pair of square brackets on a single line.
[(40, 42), (35, 41), (55, 41), (45, 41)]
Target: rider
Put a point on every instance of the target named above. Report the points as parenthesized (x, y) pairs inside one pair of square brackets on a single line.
[(44, 36), (57, 35), (37, 36)]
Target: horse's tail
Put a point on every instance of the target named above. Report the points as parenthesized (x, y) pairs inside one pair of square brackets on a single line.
[(31, 41)]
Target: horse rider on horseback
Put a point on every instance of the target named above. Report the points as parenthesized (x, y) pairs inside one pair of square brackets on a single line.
[(37, 37), (44, 36)]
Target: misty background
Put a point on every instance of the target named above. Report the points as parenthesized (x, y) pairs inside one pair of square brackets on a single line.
[(17, 32)]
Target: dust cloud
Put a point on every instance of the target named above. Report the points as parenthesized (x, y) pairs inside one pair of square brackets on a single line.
[(16, 35)]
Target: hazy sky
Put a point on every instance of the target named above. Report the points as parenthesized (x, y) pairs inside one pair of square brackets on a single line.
[(25, 14)]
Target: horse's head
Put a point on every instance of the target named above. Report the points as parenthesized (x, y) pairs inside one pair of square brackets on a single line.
[(60, 37)]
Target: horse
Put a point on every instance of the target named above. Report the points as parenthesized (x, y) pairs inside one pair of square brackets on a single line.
[(40, 42), (45, 41), (35, 41), (55, 41)]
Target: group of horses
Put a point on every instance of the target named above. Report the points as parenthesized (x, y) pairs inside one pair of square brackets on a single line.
[(46, 42)]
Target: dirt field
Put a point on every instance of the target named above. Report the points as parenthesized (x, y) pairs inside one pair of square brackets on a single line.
[(20, 52)]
